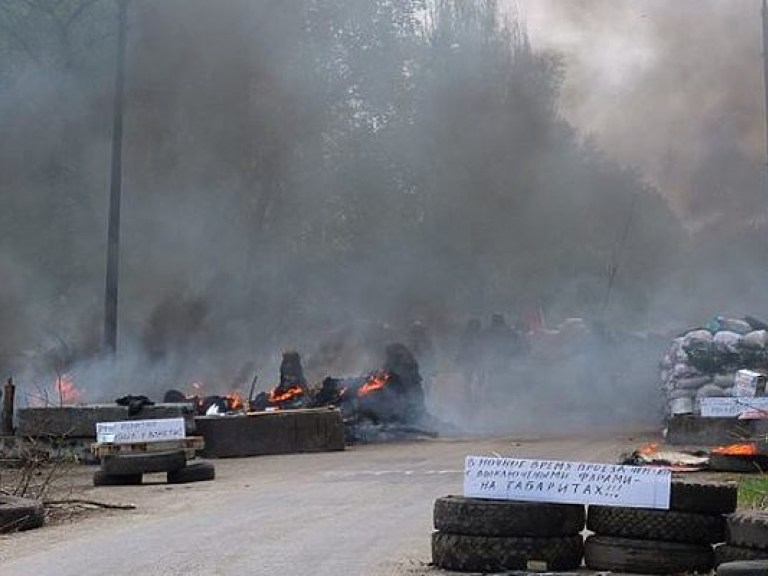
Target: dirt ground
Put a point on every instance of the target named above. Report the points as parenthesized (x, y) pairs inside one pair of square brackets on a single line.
[(365, 511)]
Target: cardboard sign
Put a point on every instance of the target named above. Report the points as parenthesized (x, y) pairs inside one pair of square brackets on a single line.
[(733, 407), (748, 384), (129, 431), (567, 482)]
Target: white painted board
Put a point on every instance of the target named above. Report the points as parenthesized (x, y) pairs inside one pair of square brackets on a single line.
[(567, 482), (731, 407), (125, 432)]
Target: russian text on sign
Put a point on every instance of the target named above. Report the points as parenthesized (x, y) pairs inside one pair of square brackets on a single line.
[(567, 482), (128, 431)]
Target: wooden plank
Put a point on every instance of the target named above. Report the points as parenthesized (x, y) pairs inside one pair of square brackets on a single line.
[(190, 444)]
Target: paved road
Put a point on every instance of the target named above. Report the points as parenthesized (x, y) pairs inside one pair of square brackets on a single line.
[(365, 511)]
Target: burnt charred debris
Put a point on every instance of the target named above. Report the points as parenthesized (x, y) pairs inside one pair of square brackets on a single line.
[(390, 398)]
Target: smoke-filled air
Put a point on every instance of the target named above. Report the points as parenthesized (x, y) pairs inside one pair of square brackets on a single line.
[(333, 176)]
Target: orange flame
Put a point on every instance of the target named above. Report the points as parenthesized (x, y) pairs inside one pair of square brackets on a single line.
[(294, 391), (746, 449), (649, 449), (234, 401), (67, 391), (377, 381)]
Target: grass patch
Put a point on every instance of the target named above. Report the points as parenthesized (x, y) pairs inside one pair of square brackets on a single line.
[(753, 492)]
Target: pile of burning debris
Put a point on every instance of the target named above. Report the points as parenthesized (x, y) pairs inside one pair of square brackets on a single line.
[(703, 363), (385, 403)]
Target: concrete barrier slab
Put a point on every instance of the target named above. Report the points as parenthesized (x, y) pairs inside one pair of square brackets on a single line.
[(692, 430), (80, 421), (265, 433)]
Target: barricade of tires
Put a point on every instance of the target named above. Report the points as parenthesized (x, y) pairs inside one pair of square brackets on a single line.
[(646, 541), (477, 535), (128, 469), (746, 538)]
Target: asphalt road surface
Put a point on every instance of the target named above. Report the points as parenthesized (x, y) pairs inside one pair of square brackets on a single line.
[(366, 511)]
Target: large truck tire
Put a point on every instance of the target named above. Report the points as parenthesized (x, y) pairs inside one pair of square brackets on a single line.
[(480, 517)]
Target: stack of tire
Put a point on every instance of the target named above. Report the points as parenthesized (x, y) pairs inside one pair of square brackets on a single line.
[(646, 541), (128, 469), (478, 535), (746, 538), (17, 514)]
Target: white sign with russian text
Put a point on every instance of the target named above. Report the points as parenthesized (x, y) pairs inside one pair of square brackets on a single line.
[(731, 407), (128, 431), (567, 482)]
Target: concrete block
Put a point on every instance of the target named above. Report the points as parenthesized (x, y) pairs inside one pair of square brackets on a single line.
[(692, 430), (263, 433), (80, 421)]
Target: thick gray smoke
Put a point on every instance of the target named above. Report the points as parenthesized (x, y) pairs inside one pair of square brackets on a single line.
[(675, 88), (320, 177)]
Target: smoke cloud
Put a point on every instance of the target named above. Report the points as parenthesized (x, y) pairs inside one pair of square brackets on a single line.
[(675, 88), (321, 177)]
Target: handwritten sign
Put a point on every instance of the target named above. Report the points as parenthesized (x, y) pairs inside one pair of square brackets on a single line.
[(732, 407), (128, 431), (567, 482)]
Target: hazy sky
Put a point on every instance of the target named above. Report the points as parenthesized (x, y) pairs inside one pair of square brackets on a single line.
[(661, 84)]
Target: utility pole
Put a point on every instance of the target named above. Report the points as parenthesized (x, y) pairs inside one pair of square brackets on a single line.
[(765, 82), (116, 182)]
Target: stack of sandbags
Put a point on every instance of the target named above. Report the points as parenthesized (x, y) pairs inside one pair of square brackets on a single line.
[(647, 541), (478, 535), (703, 362), (746, 538)]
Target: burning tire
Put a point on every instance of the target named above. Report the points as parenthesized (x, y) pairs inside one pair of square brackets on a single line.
[(477, 517), (728, 553), (745, 568), (740, 463), (497, 553), (605, 553), (705, 497), (101, 478), (748, 529), (18, 514), (643, 524), (143, 463), (199, 472)]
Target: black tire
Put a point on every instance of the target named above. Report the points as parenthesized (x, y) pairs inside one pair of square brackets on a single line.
[(604, 553), (744, 568), (101, 478), (737, 463), (143, 462), (728, 553), (705, 497), (748, 529), (497, 553), (644, 524), (198, 472), (479, 517), (17, 514)]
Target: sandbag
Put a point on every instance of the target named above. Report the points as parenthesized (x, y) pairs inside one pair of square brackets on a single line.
[(699, 346), (724, 380), (710, 391), (727, 342), (684, 371), (694, 382), (734, 325), (755, 340)]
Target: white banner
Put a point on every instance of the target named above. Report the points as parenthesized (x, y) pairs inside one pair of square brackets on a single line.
[(733, 407), (129, 431), (567, 482)]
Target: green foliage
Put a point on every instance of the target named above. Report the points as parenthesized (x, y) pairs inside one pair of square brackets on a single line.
[(753, 492)]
